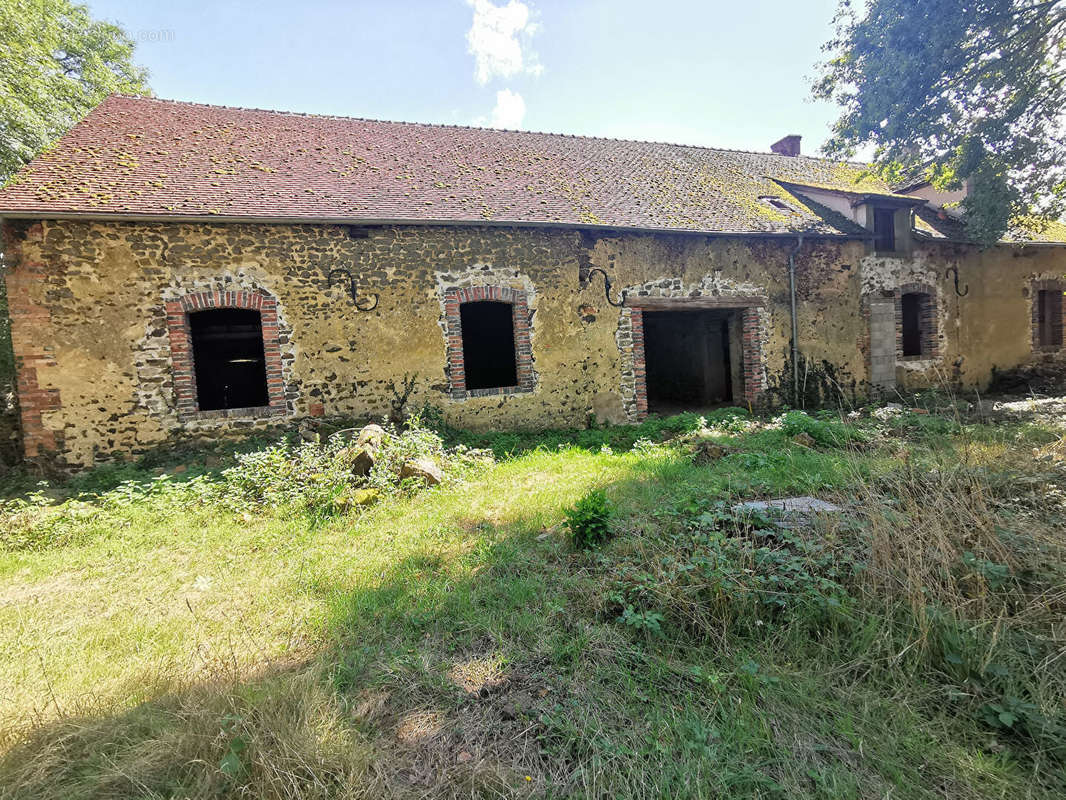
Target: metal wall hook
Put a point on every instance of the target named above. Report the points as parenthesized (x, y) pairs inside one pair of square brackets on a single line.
[(607, 287), (955, 271), (352, 290)]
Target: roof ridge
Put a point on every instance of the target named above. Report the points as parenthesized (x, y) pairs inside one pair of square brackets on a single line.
[(453, 126)]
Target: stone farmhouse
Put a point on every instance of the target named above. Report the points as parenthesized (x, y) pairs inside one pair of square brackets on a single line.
[(180, 271)]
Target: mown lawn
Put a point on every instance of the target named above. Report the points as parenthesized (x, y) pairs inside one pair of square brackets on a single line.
[(156, 641)]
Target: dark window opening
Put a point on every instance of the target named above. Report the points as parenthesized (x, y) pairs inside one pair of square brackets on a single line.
[(914, 310), (1049, 318), (884, 230), (227, 351), (489, 357), (776, 202), (690, 357)]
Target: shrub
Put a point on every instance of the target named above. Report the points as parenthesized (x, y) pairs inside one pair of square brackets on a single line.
[(720, 569), (309, 475), (317, 476), (824, 432), (589, 520), (106, 477)]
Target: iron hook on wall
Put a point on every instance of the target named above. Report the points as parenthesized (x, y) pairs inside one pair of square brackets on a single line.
[(955, 272), (607, 287), (352, 290)]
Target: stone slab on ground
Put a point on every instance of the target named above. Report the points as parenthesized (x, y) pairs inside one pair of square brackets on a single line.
[(790, 505)]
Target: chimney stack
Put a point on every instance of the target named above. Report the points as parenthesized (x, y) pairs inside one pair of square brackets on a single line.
[(787, 145)]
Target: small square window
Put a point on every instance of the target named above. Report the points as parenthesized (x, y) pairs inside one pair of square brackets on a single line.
[(884, 230)]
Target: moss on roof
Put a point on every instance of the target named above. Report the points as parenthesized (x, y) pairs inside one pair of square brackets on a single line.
[(149, 157)]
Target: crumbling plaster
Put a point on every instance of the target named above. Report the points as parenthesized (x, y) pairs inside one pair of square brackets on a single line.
[(99, 308), (988, 327)]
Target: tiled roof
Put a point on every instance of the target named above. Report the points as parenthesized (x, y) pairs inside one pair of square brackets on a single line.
[(159, 158), (146, 157), (930, 223)]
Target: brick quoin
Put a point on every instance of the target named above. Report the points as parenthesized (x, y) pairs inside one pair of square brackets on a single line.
[(182, 357), (519, 301), (31, 327), (754, 369), (640, 364)]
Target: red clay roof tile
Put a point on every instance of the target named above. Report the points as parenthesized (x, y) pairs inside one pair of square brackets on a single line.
[(147, 157)]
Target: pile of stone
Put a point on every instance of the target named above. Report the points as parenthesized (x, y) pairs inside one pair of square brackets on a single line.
[(701, 446), (370, 446), (363, 454)]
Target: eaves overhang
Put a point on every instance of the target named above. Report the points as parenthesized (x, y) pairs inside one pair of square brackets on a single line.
[(402, 222)]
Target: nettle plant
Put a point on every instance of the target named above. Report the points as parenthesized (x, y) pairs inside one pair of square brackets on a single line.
[(723, 567), (589, 520)]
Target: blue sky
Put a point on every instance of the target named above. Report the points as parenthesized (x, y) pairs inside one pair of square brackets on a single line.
[(725, 74)]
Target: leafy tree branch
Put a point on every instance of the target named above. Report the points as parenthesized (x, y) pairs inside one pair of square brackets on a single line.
[(56, 64), (959, 92)]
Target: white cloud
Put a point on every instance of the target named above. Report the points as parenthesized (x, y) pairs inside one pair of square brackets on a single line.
[(500, 40), (509, 111)]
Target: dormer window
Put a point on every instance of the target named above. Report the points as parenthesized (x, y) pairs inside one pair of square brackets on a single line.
[(885, 230)]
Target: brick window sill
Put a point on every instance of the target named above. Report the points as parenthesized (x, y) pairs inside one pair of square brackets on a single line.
[(917, 359), (496, 392), (251, 412)]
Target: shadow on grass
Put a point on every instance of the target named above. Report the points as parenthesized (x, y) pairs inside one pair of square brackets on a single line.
[(482, 670), (489, 669)]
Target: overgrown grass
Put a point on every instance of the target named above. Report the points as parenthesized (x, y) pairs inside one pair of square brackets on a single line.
[(452, 642)]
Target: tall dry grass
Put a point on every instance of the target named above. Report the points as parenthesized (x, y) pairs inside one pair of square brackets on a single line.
[(288, 734)]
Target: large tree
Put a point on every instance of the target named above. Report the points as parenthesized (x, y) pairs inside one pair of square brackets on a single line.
[(962, 92), (56, 63)]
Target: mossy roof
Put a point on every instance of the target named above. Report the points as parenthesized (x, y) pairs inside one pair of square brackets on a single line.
[(145, 157)]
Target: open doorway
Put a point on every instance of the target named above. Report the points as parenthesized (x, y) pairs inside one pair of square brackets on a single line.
[(692, 358)]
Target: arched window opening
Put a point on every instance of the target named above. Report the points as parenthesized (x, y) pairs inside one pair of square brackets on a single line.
[(490, 359), (228, 357)]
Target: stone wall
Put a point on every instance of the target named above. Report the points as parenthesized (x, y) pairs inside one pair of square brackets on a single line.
[(985, 325), (101, 373)]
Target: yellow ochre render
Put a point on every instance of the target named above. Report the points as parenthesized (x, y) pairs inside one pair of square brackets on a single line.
[(90, 332)]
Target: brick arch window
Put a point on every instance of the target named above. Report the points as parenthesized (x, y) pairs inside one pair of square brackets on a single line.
[(1047, 298), (226, 354), (916, 326), (488, 336)]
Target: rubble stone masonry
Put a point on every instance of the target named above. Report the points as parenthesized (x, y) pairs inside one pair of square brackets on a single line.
[(99, 320)]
